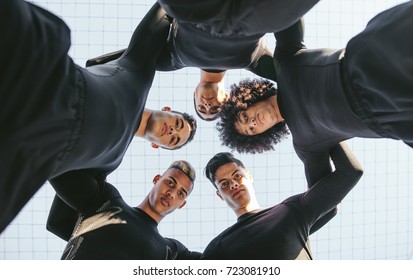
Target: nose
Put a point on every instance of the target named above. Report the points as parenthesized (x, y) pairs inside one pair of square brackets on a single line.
[(252, 121), (170, 194), (234, 185), (207, 105), (171, 131)]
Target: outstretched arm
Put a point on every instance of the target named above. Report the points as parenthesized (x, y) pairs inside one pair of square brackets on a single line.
[(240, 16), (316, 166), (76, 191), (148, 40), (79, 188), (323, 196), (62, 219), (289, 41), (263, 63)]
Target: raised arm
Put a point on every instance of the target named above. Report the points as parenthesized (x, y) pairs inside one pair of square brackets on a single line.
[(239, 16), (148, 40), (76, 191), (62, 219), (78, 188), (328, 192), (289, 41), (316, 164)]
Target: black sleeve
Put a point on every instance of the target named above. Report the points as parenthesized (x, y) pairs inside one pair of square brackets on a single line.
[(77, 192), (264, 66), (148, 40), (192, 11), (62, 219), (316, 164), (289, 41), (243, 16), (79, 189), (182, 252), (327, 193)]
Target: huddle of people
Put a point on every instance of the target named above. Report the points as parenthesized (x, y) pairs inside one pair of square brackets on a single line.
[(71, 125)]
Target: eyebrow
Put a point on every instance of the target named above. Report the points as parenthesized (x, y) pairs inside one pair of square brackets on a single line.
[(184, 190), (173, 179), (231, 176)]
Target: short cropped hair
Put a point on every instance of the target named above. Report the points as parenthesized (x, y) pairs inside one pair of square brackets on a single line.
[(216, 162), (185, 167), (242, 96)]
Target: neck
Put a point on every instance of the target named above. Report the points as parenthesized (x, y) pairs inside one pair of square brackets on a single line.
[(146, 207), (146, 115), (253, 205)]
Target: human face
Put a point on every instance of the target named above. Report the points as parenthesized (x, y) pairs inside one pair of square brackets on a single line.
[(169, 192), (257, 119), (233, 186), (208, 101), (167, 129)]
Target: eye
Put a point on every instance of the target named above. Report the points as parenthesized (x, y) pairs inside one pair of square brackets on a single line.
[(215, 109), (177, 123), (223, 185), (245, 116), (181, 194), (171, 183), (237, 176)]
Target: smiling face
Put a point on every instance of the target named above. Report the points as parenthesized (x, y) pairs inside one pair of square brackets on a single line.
[(234, 186), (168, 194), (168, 129), (208, 99), (258, 118)]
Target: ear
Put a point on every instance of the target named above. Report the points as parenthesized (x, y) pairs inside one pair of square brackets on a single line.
[(166, 108), (182, 204), (156, 179), (219, 195), (154, 146)]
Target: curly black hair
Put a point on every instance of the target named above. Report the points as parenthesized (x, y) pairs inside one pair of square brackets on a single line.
[(248, 92)]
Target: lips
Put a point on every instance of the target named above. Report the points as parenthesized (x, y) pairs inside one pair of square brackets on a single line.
[(237, 192), (165, 202)]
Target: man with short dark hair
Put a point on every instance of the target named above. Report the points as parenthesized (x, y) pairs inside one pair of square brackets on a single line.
[(57, 116), (102, 226), (281, 231)]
